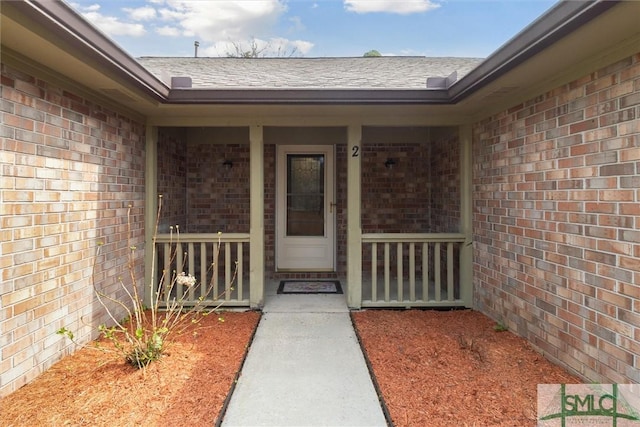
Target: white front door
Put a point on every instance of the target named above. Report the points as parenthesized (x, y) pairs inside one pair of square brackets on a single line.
[(305, 208)]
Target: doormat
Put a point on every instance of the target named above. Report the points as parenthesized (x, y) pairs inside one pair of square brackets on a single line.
[(310, 287)]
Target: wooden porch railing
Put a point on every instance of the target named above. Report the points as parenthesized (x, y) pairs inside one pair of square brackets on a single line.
[(412, 270), (218, 262)]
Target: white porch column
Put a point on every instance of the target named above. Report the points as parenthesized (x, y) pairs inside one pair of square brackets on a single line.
[(354, 228), (150, 207), (466, 215), (256, 228)]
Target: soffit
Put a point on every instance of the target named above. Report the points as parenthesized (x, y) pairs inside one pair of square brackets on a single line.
[(36, 38), (613, 35), (305, 115)]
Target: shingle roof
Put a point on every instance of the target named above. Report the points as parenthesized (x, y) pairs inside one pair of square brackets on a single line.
[(388, 72)]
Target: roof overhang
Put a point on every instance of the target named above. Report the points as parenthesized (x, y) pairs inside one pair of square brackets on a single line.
[(570, 40), (56, 41), (559, 21), (54, 35), (309, 96)]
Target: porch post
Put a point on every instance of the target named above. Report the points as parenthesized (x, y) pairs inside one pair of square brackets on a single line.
[(466, 216), (150, 207), (256, 228), (354, 230)]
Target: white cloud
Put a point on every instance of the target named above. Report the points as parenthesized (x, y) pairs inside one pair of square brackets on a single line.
[(219, 25), (168, 31), (146, 13), (111, 25), (401, 7), (93, 8), (221, 20), (303, 46)]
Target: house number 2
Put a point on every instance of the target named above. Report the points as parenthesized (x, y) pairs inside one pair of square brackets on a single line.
[(355, 151)]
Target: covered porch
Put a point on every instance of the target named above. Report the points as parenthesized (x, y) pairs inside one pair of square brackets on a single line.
[(396, 210)]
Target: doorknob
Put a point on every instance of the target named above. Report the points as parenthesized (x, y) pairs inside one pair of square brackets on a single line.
[(331, 206)]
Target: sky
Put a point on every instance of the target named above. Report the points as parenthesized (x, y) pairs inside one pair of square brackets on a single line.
[(312, 28)]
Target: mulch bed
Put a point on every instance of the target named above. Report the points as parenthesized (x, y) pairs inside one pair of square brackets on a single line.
[(188, 386), (453, 368), (433, 369)]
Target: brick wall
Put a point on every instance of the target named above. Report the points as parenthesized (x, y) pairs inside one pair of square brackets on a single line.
[(341, 209), (395, 199), (172, 177), (69, 170), (556, 221), (269, 208), (420, 193), (444, 168), (200, 194), (217, 196)]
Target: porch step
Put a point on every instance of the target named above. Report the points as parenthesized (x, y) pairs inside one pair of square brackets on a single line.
[(304, 368)]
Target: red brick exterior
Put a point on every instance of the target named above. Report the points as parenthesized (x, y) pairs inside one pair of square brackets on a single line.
[(444, 167), (200, 194), (70, 167), (395, 199), (218, 195), (556, 221), (217, 199), (420, 193), (172, 178)]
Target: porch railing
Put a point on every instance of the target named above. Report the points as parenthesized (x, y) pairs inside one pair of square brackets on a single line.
[(412, 270), (219, 263)]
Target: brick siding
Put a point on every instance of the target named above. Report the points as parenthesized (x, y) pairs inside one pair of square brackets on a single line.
[(69, 170), (444, 167), (218, 196), (217, 199), (395, 199), (172, 178), (201, 194), (556, 229)]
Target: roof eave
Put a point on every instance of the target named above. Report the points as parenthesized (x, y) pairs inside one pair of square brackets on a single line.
[(309, 96), (559, 21), (78, 33)]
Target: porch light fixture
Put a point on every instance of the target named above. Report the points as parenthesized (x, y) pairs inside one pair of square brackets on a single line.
[(228, 164), (389, 163)]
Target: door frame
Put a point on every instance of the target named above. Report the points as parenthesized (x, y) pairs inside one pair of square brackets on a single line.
[(283, 264)]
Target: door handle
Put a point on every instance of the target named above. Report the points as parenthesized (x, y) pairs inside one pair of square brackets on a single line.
[(331, 206)]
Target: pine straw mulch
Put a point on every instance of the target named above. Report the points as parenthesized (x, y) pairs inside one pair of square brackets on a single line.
[(437, 368), (433, 368), (188, 386)]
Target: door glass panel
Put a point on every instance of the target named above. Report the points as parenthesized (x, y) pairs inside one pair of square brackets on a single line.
[(305, 195)]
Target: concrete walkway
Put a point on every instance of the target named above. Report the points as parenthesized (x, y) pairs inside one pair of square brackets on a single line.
[(304, 368)]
